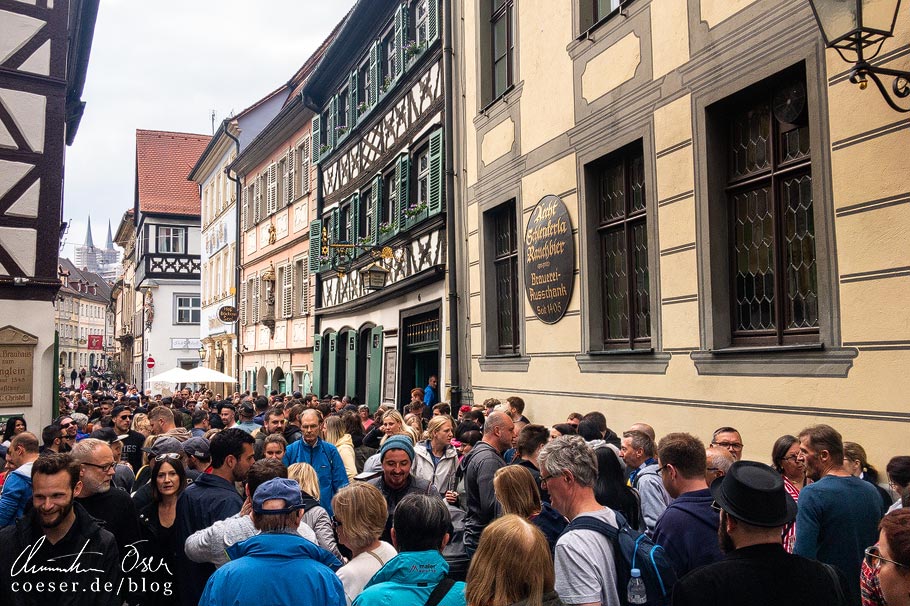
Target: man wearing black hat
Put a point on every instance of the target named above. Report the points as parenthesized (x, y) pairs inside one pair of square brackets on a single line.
[(247, 412), (123, 474), (754, 507)]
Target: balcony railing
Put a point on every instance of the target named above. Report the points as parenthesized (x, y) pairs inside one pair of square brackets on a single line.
[(168, 266)]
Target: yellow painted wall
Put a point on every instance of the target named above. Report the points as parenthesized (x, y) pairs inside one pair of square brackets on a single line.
[(681, 399)]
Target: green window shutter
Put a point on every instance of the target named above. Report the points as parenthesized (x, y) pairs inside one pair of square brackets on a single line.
[(335, 232), (315, 140), (353, 100), (317, 365), (355, 221), (330, 127), (350, 357), (437, 174), (374, 389), (402, 176), (432, 21), (333, 363), (401, 37), (376, 193), (374, 73), (315, 244)]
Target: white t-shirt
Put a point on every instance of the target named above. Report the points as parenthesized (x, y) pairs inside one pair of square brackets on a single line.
[(355, 574), (585, 569)]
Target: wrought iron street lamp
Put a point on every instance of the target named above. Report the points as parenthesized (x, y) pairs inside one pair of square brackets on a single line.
[(202, 352), (856, 29), (374, 276)]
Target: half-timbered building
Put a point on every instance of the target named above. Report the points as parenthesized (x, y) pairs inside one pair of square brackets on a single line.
[(167, 251), (378, 148), (44, 52)]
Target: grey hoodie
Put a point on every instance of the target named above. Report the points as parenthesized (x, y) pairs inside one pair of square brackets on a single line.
[(210, 544)]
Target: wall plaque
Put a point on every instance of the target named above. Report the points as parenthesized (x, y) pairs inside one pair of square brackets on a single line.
[(549, 250), (388, 386), (17, 359)]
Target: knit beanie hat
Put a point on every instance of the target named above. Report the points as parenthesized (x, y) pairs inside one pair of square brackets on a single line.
[(399, 442)]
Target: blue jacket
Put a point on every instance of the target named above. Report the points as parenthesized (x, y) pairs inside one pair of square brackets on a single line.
[(687, 530), (409, 578), (286, 567), (17, 492), (326, 461)]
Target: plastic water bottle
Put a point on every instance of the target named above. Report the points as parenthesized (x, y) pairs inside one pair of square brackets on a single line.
[(636, 593)]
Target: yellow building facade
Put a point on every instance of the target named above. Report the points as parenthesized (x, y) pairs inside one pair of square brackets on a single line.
[(738, 213)]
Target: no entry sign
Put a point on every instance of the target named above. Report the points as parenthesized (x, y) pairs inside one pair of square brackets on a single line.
[(150, 363)]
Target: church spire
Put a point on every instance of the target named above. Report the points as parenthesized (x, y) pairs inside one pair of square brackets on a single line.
[(109, 245), (88, 234)]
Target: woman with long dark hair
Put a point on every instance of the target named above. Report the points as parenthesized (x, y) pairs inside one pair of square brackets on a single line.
[(158, 521), (611, 489), (14, 426)]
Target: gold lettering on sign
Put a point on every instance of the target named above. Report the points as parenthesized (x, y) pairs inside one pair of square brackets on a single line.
[(550, 259), (17, 360)]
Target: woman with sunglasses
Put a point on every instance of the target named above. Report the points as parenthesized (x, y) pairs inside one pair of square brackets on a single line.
[(158, 521), (785, 459)]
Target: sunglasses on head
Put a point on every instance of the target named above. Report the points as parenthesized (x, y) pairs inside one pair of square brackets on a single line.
[(168, 456)]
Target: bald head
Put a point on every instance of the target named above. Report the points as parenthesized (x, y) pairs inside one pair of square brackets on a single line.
[(498, 430), (719, 462), (643, 428)]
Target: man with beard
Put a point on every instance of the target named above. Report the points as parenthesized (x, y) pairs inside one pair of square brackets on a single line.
[(212, 497), (55, 440), (756, 570), (838, 512), (396, 481), (272, 422), (111, 505), (122, 417), (62, 542)]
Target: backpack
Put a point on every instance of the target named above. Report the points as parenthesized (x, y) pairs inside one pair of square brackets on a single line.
[(633, 549)]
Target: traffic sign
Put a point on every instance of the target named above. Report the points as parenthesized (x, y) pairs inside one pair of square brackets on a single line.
[(150, 362)]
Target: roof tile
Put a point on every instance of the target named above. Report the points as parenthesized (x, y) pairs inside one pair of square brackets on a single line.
[(163, 161)]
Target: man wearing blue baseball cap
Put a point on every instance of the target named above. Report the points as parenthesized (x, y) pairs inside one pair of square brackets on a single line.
[(277, 562)]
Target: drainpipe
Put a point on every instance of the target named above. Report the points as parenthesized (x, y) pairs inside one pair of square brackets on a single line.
[(451, 209), (317, 292), (237, 234)]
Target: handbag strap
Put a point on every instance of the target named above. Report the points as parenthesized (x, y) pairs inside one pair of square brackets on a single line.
[(440, 591)]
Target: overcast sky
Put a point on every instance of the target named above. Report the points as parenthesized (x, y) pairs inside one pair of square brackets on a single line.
[(166, 65)]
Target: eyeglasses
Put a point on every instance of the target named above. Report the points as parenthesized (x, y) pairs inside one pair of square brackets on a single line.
[(874, 559), (792, 458), (336, 523), (662, 468), (66, 425), (122, 417), (730, 445), (105, 468), (715, 506), (168, 456)]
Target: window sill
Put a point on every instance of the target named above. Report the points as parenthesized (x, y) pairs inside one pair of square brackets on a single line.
[(504, 363), (812, 360), (492, 112), (624, 361)]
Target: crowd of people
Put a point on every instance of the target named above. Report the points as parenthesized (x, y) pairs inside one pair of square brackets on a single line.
[(295, 499)]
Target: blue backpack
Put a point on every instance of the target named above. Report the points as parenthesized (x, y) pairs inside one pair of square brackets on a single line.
[(633, 549)]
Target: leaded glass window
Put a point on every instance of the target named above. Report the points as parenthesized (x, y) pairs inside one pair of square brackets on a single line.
[(505, 268), (619, 182), (774, 294)]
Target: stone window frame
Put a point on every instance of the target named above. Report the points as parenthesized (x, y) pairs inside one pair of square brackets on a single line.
[(591, 358), (484, 60), (717, 356), (491, 359)]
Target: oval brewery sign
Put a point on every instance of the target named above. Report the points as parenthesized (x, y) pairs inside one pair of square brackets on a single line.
[(227, 314), (549, 259)]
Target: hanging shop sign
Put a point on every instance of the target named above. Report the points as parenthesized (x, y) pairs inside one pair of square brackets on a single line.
[(549, 250)]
